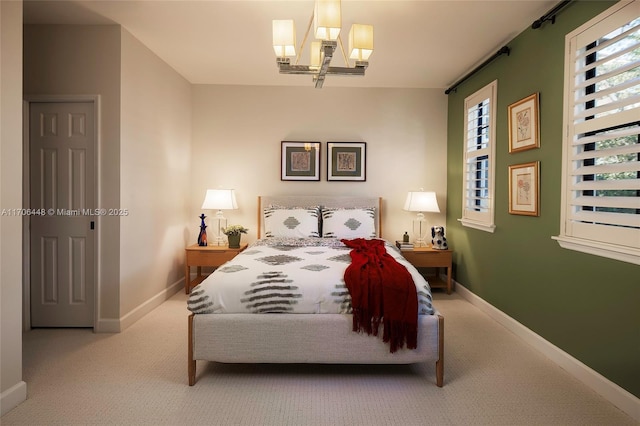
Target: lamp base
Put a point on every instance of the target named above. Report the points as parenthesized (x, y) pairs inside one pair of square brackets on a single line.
[(222, 223), (420, 242), (420, 232)]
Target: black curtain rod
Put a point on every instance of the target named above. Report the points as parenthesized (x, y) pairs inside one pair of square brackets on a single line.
[(502, 51), (550, 15)]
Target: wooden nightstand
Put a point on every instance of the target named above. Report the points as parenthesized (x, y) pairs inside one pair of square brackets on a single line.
[(200, 256), (427, 257)]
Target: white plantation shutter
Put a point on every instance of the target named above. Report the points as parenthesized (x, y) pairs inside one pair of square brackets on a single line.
[(601, 185), (479, 149)]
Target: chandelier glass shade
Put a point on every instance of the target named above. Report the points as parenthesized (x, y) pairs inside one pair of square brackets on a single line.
[(361, 42), (326, 20), (284, 37)]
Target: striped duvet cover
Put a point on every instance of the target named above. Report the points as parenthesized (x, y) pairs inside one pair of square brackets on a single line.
[(278, 275)]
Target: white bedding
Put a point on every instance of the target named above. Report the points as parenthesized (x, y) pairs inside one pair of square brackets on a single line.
[(279, 275)]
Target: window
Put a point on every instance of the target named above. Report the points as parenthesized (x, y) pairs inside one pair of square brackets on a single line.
[(479, 154), (601, 149)]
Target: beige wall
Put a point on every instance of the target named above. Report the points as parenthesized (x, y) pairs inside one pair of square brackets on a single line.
[(155, 157), (13, 389), (237, 132), (85, 60), (144, 157)]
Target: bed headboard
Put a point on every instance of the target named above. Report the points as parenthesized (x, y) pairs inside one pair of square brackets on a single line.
[(319, 200)]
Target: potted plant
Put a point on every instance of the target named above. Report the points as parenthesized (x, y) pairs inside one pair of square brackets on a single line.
[(233, 233)]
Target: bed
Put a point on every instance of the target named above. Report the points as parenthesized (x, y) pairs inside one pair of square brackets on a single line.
[(319, 330)]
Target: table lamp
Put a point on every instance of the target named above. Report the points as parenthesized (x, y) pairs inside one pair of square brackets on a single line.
[(220, 199), (421, 202)]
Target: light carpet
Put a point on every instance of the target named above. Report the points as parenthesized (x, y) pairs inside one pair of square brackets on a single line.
[(139, 377)]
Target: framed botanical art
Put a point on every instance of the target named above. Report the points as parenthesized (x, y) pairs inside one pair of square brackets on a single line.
[(300, 161), (524, 189), (346, 161), (524, 124)]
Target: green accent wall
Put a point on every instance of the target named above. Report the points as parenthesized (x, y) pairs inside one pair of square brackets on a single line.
[(586, 305)]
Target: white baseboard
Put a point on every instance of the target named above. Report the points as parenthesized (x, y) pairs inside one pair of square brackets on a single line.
[(107, 326), (118, 325), (12, 397), (618, 396)]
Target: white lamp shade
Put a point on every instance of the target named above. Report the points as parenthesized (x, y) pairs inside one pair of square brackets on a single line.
[(420, 201), (220, 199), (327, 19), (284, 37), (316, 55), (360, 42)]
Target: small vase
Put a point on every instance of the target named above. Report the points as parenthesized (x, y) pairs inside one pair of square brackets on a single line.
[(202, 236), (234, 241)]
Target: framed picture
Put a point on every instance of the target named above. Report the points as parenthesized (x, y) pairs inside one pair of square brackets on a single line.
[(524, 189), (524, 124), (346, 161), (300, 161)]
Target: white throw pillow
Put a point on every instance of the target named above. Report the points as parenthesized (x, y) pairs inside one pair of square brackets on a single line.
[(291, 223), (348, 223)]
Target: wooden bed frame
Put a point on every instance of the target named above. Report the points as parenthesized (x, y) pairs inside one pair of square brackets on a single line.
[(310, 338)]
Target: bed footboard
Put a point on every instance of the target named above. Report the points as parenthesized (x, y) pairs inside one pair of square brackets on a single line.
[(440, 360), (191, 367), (310, 338)]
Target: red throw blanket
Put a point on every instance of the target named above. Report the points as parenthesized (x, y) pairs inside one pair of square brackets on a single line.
[(382, 290)]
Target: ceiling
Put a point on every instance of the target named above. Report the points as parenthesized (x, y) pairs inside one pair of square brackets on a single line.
[(418, 44)]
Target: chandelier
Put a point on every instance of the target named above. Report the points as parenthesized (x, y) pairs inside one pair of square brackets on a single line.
[(327, 21)]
